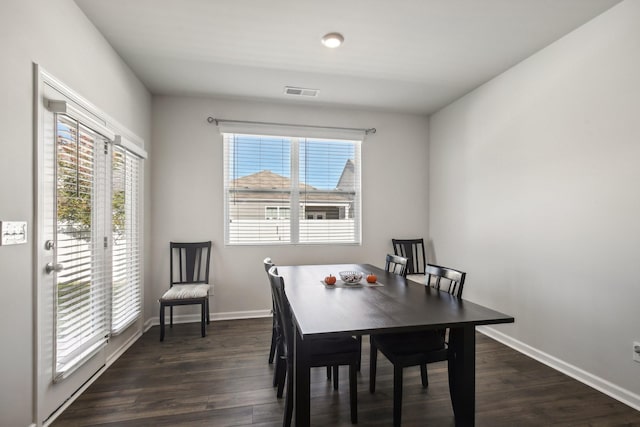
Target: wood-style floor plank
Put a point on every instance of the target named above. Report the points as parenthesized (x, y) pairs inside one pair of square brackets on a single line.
[(224, 380)]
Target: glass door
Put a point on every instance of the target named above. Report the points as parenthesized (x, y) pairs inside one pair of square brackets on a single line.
[(74, 301)]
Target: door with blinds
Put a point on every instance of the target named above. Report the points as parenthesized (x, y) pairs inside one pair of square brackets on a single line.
[(76, 274), (89, 244)]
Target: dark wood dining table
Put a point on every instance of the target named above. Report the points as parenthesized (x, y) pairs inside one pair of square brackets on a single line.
[(399, 305)]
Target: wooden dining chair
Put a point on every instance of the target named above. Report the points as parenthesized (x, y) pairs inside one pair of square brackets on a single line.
[(415, 348), (331, 351), (414, 251), (188, 281), (279, 372), (396, 264), (276, 338)]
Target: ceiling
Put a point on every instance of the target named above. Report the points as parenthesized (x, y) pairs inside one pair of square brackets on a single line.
[(406, 55)]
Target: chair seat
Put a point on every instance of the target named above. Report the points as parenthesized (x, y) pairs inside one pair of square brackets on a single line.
[(411, 342), (418, 278), (178, 292)]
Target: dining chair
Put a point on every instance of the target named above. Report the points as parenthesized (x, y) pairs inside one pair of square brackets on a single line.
[(414, 251), (396, 264), (278, 373), (332, 351), (415, 348), (188, 281)]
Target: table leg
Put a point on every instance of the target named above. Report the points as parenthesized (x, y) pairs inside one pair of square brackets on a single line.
[(462, 374), (302, 382)]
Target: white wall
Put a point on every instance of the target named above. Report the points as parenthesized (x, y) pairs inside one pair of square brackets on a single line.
[(534, 192), (187, 200), (55, 34)]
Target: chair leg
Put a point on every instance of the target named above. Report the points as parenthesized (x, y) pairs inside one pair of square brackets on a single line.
[(328, 373), (279, 362), (288, 406), (272, 350), (397, 395), (161, 322), (373, 362), (171, 316), (208, 313), (282, 371), (353, 393), (335, 377), (359, 338), (276, 357), (203, 317), (423, 376)]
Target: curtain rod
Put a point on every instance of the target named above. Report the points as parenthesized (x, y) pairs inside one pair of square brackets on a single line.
[(217, 121)]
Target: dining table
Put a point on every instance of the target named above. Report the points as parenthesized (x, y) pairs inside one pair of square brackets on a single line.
[(391, 305)]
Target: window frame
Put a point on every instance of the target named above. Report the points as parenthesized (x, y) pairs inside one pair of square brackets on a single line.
[(294, 202)]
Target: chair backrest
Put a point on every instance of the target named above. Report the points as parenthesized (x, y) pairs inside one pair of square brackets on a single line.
[(413, 250), (267, 264), (189, 262), (446, 279), (283, 310), (396, 264)]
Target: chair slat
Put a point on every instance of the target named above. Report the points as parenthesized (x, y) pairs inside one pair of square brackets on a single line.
[(414, 251)]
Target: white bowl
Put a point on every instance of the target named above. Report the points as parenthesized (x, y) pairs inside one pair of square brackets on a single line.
[(351, 276)]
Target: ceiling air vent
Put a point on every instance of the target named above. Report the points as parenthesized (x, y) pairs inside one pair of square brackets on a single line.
[(300, 91)]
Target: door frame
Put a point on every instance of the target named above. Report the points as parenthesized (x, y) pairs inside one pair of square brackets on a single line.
[(117, 344)]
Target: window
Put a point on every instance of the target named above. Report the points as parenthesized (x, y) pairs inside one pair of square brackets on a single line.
[(286, 190), (82, 286), (277, 212)]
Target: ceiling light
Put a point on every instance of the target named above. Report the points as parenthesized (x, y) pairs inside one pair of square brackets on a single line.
[(332, 40)]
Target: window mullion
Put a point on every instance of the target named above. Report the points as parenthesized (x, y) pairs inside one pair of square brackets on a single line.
[(295, 190)]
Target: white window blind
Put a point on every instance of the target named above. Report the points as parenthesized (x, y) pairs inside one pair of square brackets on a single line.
[(126, 237), (291, 189), (81, 297)]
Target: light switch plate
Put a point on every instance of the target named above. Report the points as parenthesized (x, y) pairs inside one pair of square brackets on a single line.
[(13, 232)]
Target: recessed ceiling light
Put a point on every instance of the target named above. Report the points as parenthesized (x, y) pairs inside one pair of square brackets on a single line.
[(332, 40)]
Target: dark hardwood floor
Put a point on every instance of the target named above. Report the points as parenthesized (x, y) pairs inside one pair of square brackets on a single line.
[(224, 380)]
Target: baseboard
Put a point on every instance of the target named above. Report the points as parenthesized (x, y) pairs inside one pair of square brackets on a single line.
[(234, 315), (625, 396), (229, 315)]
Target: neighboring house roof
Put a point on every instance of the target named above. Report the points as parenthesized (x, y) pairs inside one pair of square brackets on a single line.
[(347, 181), (265, 180), (264, 186)]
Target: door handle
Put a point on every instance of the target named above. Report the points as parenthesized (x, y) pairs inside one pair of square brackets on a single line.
[(50, 268)]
